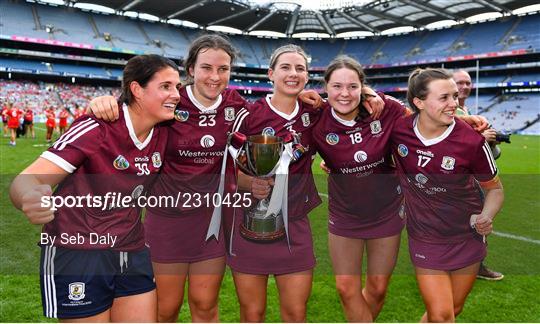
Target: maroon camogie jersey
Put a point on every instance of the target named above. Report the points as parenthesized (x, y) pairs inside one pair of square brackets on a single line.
[(263, 118), (105, 160), (439, 177), (362, 182), (194, 155)]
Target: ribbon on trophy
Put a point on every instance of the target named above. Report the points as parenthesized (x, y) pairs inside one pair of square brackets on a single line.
[(292, 151), (234, 144)]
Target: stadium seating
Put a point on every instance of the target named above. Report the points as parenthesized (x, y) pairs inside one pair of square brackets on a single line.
[(25, 19)]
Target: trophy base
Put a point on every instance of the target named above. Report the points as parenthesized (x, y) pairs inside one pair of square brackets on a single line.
[(262, 237)]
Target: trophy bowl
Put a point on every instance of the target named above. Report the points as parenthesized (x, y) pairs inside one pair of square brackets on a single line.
[(259, 158)]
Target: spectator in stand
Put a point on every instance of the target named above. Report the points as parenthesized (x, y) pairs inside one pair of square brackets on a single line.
[(28, 122), (14, 115), (63, 116), (50, 123), (464, 84)]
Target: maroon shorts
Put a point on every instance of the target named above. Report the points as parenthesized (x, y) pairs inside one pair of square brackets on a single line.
[(181, 239), (389, 223), (447, 256), (275, 257)]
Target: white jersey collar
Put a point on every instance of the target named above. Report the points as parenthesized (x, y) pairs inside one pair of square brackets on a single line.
[(282, 114), (199, 105), (349, 123), (127, 118), (433, 141)]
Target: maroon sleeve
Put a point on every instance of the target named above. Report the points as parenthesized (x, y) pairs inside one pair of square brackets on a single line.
[(483, 164), (79, 142)]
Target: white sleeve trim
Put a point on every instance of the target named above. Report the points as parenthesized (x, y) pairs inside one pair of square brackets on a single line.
[(68, 167)]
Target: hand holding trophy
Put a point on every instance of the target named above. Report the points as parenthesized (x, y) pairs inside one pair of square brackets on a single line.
[(266, 156)]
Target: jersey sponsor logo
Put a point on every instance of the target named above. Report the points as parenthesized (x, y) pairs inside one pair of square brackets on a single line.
[(120, 163), (360, 156), (156, 160), (181, 115), (332, 138), (76, 290), (402, 150), (375, 126), (207, 141), (268, 131), (305, 119), (420, 178), (448, 163), (229, 114)]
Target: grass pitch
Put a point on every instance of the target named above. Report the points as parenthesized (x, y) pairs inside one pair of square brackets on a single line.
[(515, 251)]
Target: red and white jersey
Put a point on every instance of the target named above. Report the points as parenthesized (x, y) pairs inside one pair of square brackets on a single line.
[(439, 177), (51, 117), (63, 116), (104, 158), (197, 139), (363, 181), (14, 115), (263, 118)]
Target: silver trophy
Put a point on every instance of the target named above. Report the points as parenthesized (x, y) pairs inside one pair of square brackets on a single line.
[(259, 157)]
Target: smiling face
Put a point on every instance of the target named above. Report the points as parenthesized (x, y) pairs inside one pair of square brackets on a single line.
[(344, 89), (160, 95), (289, 74), (211, 73), (439, 106)]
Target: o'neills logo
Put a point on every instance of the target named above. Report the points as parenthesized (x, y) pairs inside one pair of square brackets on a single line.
[(120, 163), (181, 115)]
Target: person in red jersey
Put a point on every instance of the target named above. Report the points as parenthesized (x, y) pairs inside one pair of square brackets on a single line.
[(179, 239), (94, 263), (50, 123), (29, 122), (440, 159), (62, 124), (365, 199), (14, 115)]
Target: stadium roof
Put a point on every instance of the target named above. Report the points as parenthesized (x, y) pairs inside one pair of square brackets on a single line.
[(290, 18)]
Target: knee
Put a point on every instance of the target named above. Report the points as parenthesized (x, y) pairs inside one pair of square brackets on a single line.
[(294, 314), (376, 289), (252, 314), (347, 289), (441, 316), (206, 310), (168, 310)]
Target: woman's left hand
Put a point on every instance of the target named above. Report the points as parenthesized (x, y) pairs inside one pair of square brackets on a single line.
[(483, 224)]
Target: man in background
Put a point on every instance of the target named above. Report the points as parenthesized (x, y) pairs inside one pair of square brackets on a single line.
[(464, 84)]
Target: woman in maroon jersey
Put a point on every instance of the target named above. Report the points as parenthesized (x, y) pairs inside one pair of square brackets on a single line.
[(94, 263), (364, 195), (441, 160)]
